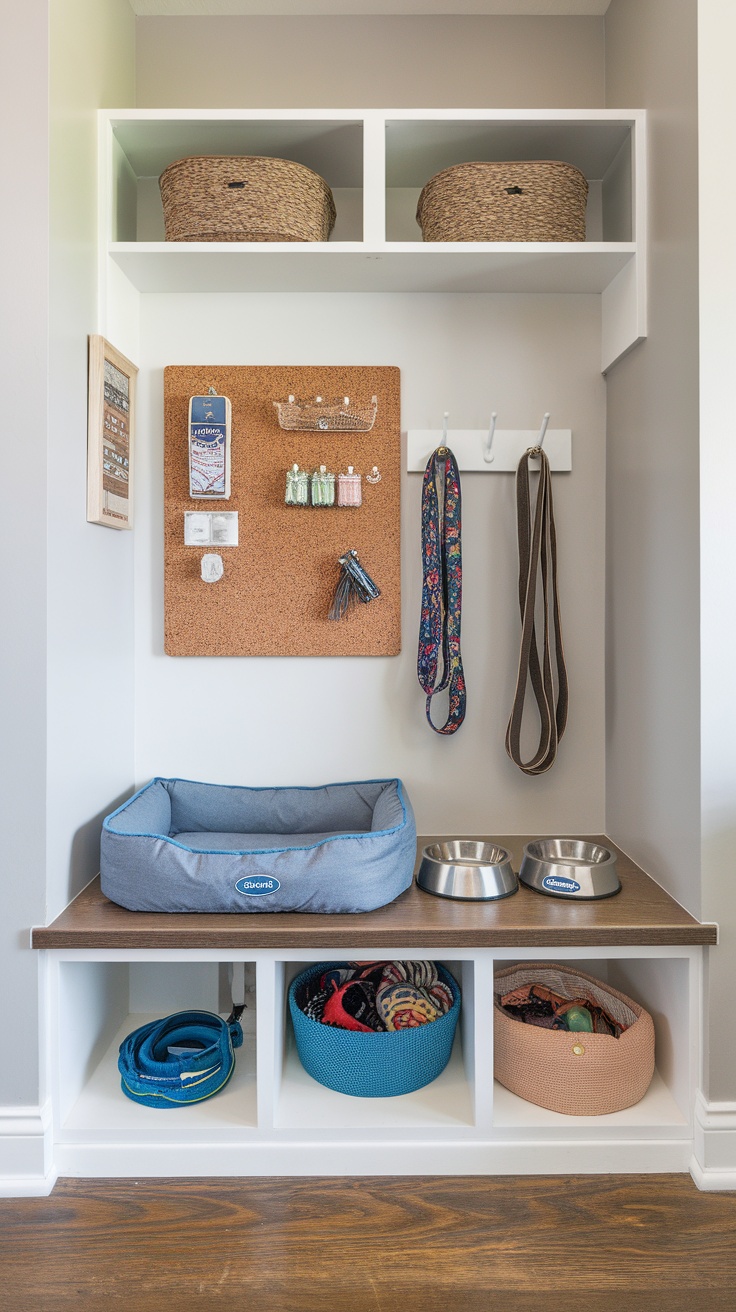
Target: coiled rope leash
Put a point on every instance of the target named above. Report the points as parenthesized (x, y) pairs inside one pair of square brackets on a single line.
[(538, 553), (442, 577), (181, 1059)]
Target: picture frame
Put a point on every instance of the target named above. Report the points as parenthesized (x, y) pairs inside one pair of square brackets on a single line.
[(110, 435)]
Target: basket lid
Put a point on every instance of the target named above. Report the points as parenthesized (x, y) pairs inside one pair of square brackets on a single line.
[(484, 164)]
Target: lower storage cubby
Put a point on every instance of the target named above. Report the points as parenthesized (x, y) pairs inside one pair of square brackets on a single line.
[(99, 1003), (445, 1104), (665, 987), (275, 1118)]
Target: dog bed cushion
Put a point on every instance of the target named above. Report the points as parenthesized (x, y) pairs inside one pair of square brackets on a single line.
[(183, 846)]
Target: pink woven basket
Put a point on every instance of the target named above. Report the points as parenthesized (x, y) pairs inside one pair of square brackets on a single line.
[(576, 1073)]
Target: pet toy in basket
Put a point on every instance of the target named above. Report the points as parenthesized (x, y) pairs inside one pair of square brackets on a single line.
[(566, 1041), (374, 1029)]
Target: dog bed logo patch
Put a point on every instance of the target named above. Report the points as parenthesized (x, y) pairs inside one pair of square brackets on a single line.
[(257, 885)]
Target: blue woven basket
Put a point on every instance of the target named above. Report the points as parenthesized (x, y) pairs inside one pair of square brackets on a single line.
[(373, 1065)]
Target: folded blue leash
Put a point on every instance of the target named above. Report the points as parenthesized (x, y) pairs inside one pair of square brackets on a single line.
[(181, 1059)]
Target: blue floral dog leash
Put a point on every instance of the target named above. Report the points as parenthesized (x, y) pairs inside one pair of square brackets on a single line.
[(442, 576)]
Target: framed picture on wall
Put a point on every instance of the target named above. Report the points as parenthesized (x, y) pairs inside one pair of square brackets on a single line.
[(110, 436)]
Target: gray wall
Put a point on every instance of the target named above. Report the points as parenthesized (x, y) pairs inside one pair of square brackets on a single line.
[(381, 62), (469, 354), (90, 568), (67, 586), (653, 733), (23, 339), (653, 787), (717, 39)]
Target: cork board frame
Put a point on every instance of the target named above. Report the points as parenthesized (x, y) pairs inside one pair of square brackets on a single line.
[(279, 581)]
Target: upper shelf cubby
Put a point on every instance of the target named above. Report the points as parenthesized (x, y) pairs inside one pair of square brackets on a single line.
[(144, 145), (416, 149), (376, 164)]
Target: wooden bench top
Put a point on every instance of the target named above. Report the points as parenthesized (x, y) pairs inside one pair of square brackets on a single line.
[(642, 914)]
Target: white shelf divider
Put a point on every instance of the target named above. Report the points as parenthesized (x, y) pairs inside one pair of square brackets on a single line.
[(546, 267)]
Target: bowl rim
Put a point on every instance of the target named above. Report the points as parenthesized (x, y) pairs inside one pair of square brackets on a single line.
[(469, 862), (552, 860)]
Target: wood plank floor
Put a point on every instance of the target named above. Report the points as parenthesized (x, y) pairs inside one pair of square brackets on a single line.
[(599, 1243)]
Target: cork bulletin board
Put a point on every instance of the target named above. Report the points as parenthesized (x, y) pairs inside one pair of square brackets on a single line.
[(278, 583)]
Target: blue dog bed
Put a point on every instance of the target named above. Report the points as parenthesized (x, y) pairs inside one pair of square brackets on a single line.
[(182, 846)]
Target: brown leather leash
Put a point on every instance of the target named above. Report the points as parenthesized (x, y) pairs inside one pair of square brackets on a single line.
[(538, 555)]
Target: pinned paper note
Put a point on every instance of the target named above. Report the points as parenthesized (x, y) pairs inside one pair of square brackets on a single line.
[(211, 528)]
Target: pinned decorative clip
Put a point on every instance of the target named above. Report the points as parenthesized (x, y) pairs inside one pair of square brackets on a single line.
[(354, 584), (297, 487), (374, 476), (349, 492), (323, 487)]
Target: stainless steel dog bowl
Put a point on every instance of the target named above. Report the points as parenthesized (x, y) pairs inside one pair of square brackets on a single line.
[(467, 870), (569, 867)]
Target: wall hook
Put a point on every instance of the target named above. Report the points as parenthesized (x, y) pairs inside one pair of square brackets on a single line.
[(442, 451), (536, 450), (487, 454)]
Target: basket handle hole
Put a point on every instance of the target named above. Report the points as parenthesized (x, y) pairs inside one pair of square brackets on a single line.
[(234, 185), (514, 191)]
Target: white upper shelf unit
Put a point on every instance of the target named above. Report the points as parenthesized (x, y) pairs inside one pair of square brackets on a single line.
[(376, 164)]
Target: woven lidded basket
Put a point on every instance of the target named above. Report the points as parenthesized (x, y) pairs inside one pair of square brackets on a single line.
[(373, 1065), (579, 1074), (245, 198), (527, 200)]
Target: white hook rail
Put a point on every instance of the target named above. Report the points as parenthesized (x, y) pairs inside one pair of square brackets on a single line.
[(493, 450)]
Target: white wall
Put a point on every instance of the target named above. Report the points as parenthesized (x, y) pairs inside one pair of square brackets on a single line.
[(90, 569), (653, 788), (23, 338), (67, 587), (469, 354), (519, 355), (380, 61), (717, 40)]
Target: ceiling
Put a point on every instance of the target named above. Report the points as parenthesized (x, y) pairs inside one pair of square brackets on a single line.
[(274, 8)]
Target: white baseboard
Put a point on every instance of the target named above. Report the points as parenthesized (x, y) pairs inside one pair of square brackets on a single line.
[(377, 1158), (26, 1152), (713, 1166)]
